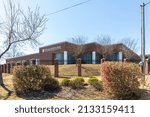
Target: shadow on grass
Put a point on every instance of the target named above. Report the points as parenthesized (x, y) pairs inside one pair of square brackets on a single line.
[(38, 95), (145, 95)]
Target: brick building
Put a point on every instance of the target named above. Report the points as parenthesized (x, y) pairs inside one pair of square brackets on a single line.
[(63, 53)]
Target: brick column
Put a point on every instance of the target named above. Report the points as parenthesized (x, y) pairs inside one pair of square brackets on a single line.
[(5, 68), (8, 67), (147, 67), (56, 69), (2, 68), (11, 67), (79, 67)]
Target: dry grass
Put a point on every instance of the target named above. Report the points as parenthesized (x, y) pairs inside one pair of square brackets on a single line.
[(71, 70), (66, 93), (9, 85)]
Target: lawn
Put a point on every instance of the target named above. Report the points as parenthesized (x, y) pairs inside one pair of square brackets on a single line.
[(71, 70)]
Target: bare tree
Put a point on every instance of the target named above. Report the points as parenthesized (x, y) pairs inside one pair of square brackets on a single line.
[(106, 48), (130, 43), (104, 39), (131, 46), (79, 48), (19, 28), (14, 51)]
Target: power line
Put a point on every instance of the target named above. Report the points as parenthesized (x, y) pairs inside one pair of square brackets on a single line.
[(146, 3), (75, 5)]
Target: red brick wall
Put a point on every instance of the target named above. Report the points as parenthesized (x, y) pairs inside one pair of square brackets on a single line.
[(65, 46)]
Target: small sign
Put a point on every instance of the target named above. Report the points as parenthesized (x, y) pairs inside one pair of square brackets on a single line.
[(52, 49)]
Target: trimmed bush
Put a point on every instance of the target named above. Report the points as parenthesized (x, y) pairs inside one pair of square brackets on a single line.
[(65, 82), (92, 79), (77, 83), (51, 84), (95, 83), (121, 80), (32, 78)]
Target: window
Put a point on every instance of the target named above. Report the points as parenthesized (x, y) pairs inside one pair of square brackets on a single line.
[(60, 58), (87, 58), (113, 57), (71, 59)]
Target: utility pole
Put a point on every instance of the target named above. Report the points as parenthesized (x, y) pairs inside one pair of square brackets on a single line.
[(143, 38)]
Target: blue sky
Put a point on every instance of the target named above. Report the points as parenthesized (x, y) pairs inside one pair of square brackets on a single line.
[(116, 18)]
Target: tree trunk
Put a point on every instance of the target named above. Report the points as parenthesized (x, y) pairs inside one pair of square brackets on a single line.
[(2, 84)]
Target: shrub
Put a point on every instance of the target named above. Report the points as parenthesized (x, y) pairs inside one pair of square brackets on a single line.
[(121, 79), (95, 83), (51, 84), (92, 79), (32, 78), (65, 82), (77, 83)]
